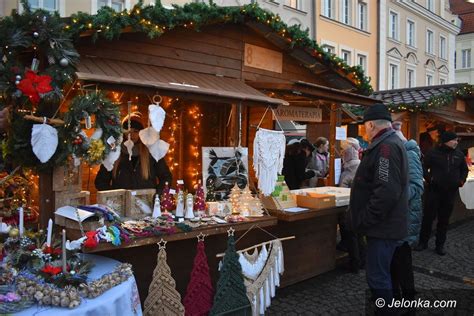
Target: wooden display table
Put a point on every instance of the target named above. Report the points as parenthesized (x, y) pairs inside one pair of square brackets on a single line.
[(181, 249), (313, 251)]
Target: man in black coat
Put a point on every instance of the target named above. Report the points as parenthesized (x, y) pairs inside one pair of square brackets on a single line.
[(445, 170), (379, 199)]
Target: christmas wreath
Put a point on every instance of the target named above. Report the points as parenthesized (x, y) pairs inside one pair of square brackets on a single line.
[(108, 130)]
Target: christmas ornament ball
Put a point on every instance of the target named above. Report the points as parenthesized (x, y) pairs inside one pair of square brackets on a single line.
[(18, 77), (17, 82), (35, 34), (64, 62), (13, 232)]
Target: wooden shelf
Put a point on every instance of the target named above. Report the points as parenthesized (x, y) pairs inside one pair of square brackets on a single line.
[(216, 229), (311, 213)]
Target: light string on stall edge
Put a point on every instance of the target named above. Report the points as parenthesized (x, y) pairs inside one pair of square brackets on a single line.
[(170, 157), (195, 115)]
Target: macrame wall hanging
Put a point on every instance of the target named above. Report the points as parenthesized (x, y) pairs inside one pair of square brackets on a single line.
[(231, 294), (268, 155), (163, 298), (261, 270), (199, 294)]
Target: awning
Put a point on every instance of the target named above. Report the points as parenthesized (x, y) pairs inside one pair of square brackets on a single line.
[(451, 116), (313, 90), (171, 81)]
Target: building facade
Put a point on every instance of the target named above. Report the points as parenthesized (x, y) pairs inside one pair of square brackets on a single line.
[(464, 61), (348, 29), (417, 40)]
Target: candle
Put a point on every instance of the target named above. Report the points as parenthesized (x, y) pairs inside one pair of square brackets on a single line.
[(64, 252), (50, 232), (21, 221)]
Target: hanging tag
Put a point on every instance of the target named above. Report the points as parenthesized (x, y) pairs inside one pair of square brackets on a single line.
[(35, 64), (180, 181), (88, 121), (172, 191), (111, 141)]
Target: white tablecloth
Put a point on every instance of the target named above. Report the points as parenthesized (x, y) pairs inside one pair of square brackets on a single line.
[(121, 300), (467, 193)]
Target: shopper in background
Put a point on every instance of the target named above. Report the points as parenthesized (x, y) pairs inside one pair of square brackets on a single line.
[(297, 154), (351, 241), (445, 170), (379, 200), (403, 281), (319, 162)]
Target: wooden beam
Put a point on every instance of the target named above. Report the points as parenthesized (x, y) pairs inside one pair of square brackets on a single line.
[(335, 109), (415, 126)]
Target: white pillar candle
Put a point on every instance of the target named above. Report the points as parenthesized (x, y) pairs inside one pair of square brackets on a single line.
[(50, 233), (64, 252), (20, 225)]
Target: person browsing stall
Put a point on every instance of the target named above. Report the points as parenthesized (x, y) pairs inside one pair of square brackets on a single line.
[(294, 165), (379, 199), (319, 161), (139, 172)]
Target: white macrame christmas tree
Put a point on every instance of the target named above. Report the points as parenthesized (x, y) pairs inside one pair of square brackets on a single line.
[(246, 201)]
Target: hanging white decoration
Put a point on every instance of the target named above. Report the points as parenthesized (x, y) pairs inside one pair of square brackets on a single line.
[(44, 141), (149, 136), (268, 155), (129, 145), (97, 133), (111, 158), (159, 149), (157, 116)]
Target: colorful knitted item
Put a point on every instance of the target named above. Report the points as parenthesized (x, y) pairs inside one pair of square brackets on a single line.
[(231, 293), (198, 299), (163, 299)]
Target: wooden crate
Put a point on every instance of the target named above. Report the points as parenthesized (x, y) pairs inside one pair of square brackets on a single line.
[(67, 179), (277, 203), (145, 195), (116, 199), (72, 199), (316, 201)]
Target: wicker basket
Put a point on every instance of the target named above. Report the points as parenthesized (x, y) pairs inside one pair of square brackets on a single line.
[(13, 307)]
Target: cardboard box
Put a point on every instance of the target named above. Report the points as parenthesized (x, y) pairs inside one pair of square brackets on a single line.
[(316, 201), (72, 199), (278, 203)]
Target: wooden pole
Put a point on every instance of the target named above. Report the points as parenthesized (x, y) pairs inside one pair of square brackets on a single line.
[(41, 120), (335, 121), (46, 197), (415, 126)]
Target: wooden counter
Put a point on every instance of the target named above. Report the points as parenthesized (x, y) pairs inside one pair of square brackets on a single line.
[(264, 221)]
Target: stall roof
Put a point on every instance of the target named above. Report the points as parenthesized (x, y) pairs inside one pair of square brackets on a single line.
[(173, 81), (417, 95), (315, 90)]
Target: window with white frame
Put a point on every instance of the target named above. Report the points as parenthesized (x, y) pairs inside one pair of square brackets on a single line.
[(429, 42), (430, 5), (362, 61), (393, 76), (429, 79), (117, 5), (442, 81), (393, 26), (48, 5), (346, 56), (329, 48), (411, 33), (328, 9), (410, 78), (346, 11), (296, 4), (362, 10), (442, 47), (466, 58)]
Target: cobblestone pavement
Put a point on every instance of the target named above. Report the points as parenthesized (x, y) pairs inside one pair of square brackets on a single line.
[(342, 293)]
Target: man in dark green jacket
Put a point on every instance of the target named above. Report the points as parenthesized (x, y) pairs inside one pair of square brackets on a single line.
[(379, 199), (445, 170)]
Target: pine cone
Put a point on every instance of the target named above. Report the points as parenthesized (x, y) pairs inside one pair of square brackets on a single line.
[(56, 300), (65, 301), (47, 300), (38, 295), (74, 303)]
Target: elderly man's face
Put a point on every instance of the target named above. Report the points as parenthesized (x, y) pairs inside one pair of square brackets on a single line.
[(370, 129)]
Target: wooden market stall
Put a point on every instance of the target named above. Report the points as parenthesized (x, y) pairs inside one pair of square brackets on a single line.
[(222, 79)]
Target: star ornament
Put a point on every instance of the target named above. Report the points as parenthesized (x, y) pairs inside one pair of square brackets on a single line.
[(33, 85), (162, 244), (230, 232), (201, 237)]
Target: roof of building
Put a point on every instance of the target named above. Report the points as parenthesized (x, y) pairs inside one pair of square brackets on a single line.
[(418, 95), (465, 10)]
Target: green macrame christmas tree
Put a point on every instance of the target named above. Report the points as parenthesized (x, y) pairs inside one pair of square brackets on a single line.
[(163, 299), (231, 294)]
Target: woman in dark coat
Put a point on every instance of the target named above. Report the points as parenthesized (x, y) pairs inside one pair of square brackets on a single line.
[(141, 172), (401, 267), (294, 164)]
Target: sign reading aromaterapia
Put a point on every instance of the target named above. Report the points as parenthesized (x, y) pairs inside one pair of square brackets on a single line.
[(263, 58), (301, 114)]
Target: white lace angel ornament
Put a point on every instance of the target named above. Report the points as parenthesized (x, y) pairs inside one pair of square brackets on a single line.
[(268, 155), (44, 141)]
